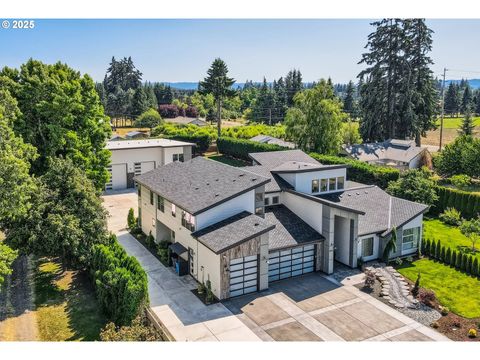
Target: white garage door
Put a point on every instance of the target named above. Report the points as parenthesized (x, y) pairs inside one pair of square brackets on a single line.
[(292, 262), (147, 166), (243, 275), (118, 177)]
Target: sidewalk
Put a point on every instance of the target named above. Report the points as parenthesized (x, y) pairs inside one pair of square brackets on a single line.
[(173, 304)]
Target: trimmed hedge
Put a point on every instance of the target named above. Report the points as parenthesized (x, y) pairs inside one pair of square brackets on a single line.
[(459, 260), (466, 202), (360, 171), (120, 282), (239, 148), (202, 142)]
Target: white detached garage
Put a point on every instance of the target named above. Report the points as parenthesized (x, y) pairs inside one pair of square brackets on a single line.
[(135, 157)]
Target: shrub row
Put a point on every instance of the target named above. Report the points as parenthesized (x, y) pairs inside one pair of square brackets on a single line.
[(202, 142), (466, 202), (460, 260), (120, 282), (360, 171), (239, 148)]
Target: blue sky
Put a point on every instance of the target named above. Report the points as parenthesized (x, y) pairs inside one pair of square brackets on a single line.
[(182, 50)]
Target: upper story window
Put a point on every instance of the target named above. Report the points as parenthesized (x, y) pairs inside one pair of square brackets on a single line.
[(174, 210), (332, 184), (275, 200), (323, 185), (410, 238), (340, 183), (188, 221), (258, 197), (160, 203), (151, 197), (315, 186), (267, 201), (178, 157)]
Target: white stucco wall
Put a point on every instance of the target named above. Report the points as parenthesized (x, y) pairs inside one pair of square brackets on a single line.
[(290, 178), (131, 156), (208, 268), (270, 196), (244, 202), (148, 212), (307, 210), (168, 154)]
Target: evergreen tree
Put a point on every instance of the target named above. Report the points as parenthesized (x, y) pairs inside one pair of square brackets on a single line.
[(477, 106), (293, 84), (163, 93), (467, 123), (219, 85), (453, 261), (448, 256), (349, 99), (467, 99)]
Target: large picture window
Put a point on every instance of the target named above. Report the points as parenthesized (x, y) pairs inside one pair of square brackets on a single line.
[(332, 184), (410, 238), (324, 185)]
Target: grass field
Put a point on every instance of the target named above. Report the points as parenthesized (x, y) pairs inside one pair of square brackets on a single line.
[(66, 305), (226, 160), (456, 122), (449, 236), (454, 289)]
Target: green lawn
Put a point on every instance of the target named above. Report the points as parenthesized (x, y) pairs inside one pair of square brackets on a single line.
[(454, 289), (66, 307), (228, 160), (449, 236), (456, 122)]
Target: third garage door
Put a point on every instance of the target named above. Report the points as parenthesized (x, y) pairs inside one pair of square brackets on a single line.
[(292, 262), (243, 275)]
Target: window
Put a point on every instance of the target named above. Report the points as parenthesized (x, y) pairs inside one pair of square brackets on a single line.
[(315, 186), (323, 185), (267, 201), (332, 184), (151, 198), (188, 221), (275, 200), (367, 247), (258, 197), (340, 183), (178, 157), (175, 157), (160, 203), (410, 238), (174, 210)]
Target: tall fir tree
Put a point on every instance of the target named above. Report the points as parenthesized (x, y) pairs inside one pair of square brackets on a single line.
[(467, 123), (349, 99), (467, 99), (452, 100)]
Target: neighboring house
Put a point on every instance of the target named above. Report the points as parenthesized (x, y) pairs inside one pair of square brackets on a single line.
[(136, 135), (401, 154), (116, 137), (135, 157), (287, 215), (187, 121), (265, 139)]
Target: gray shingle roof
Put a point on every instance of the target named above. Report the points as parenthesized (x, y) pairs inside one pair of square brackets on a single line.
[(275, 185), (266, 139), (232, 231), (273, 159), (289, 230), (199, 184), (382, 211), (396, 150)]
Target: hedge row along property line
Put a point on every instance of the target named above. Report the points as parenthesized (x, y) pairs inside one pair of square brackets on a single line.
[(120, 282), (240, 148), (460, 260), (202, 142), (467, 203)]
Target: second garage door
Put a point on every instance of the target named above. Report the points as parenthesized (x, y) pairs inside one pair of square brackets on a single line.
[(118, 177), (243, 275), (292, 262)]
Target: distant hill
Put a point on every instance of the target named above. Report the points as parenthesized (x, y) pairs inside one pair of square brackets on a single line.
[(474, 83)]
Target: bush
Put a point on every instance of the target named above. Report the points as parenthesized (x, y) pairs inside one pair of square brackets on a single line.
[(415, 185), (475, 267), (369, 279), (149, 119), (131, 220), (444, 311), (458, 263), (451, 216), (170, 111), (453, 261), (468, 267), (240, 149), (472, 333), (398, 261), (467, 203), (191, 111), (150, 240), (459, 157), (139, 330), (201, 136), (202, 142), (120, 282), (461, 181), (360, 171), (463, 264), (427, 297), (416, 287), (448, 256)]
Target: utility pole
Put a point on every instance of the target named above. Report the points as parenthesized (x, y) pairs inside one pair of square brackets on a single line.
[(269, 116), (443, 110)]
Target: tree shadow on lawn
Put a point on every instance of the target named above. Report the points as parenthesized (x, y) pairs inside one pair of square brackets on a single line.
[(73, 294)]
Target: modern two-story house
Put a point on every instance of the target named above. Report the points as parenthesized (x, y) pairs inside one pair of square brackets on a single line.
[(284, 216)]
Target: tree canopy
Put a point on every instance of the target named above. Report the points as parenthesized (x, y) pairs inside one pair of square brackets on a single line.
[(60, 115), (314, 123), (415, 185), (150, 118)]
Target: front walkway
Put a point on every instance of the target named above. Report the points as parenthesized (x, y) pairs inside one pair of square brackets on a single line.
[(174, 305)]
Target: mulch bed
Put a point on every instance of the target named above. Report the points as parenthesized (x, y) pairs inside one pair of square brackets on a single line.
[(203, 297), (141, 239)]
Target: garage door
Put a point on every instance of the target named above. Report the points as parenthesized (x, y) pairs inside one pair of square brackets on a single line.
[(292, 262), (243, 275), (118, 177), (143, 167)]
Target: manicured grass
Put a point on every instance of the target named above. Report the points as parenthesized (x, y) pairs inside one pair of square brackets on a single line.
[(228, 160), (449, 236), (456, 122), (66, 305), (454, 289)]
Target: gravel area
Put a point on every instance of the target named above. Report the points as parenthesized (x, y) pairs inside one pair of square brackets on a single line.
[(423, 314)]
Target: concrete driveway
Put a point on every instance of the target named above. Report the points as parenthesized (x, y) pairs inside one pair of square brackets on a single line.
[(118, 203), (313, 308)]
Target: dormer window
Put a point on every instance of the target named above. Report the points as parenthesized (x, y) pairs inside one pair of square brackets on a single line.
[(323, 185), (340, 183), (332, 184), (315, 186)]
